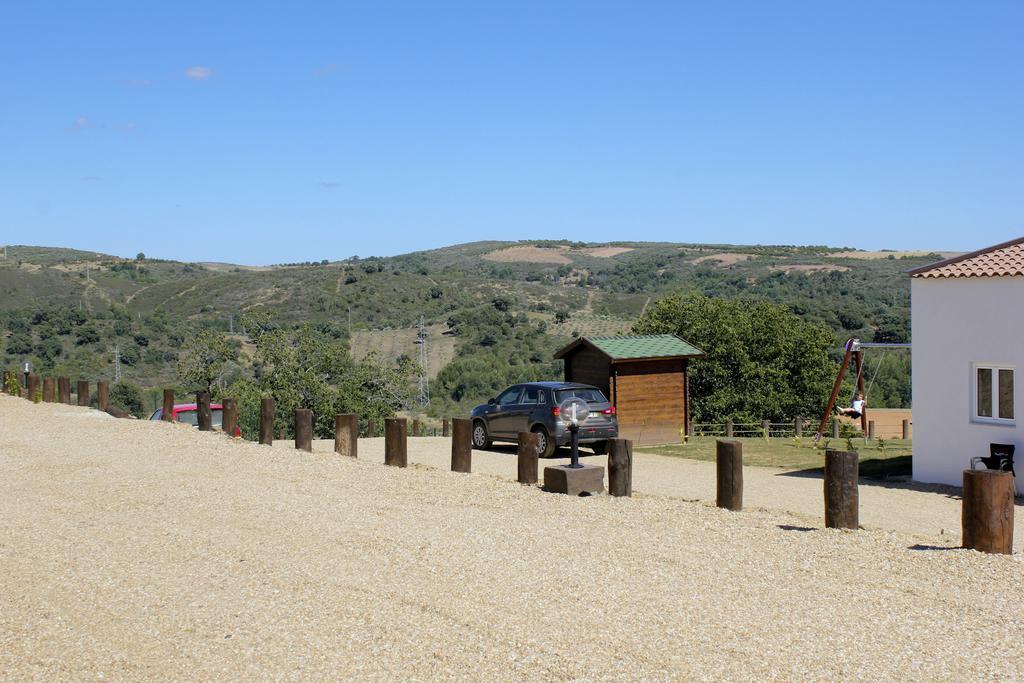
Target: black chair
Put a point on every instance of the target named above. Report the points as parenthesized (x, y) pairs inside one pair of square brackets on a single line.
[(1000, 457)]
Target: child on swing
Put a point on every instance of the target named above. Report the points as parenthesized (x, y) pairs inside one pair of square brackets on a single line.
[(856, 409)]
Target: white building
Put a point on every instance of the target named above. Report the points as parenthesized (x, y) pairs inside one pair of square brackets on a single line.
[(968, 336)]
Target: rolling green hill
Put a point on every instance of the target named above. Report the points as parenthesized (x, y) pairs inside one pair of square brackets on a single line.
[(490, 305)]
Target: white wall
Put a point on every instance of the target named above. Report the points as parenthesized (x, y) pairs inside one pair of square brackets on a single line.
[(955, 323)]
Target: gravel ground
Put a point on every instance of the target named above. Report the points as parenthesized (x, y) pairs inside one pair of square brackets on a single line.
[(152, 551)]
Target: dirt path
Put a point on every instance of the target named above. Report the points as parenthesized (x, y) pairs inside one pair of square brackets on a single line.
[(148, 551)]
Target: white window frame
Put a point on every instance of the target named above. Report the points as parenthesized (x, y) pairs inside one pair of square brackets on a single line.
[(995, 419)]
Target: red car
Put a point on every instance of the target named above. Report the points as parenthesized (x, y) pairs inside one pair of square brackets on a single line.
[(189, 414)]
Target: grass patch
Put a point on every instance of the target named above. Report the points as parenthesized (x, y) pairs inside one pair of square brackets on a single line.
[(877, 458)]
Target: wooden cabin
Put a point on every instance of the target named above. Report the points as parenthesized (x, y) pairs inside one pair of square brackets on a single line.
[(645, 377)]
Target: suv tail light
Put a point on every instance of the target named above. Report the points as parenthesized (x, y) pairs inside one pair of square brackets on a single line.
[(556, 411), (608, 411)]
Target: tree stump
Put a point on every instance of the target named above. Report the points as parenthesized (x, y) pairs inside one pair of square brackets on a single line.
[(396, 451), (346, 434), (987, 512), (229, 417), (103, 395), (841, 494), (82, 391), (304, 429), (729, 461), (267, 421), (204, 417), (462, 445), (620, 467), (528, 454)]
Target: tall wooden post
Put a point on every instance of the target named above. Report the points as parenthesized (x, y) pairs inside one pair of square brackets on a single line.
[(396, 444), (64, 390), (798, 427), (728, 428), (766, 427), (835, 428), (462, 445), (33, 386), (871, 430), (444, 427), (729, 461), (103, 395), (267, 421), (841, 494), (48, 390), (204, 418), (229, 416), (620, 467), (528, 454), (167, 413), (416, 427), (906, 429), (82, 390), (371, 429), (346, 434), (304, 429), (987, 512)]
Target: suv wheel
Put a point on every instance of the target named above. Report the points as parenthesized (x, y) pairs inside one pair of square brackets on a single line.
[(546, 447), (480, 438)]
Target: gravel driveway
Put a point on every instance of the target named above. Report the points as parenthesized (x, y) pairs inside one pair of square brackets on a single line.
[(137, 550)]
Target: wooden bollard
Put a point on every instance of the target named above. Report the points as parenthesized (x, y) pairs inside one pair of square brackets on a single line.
[(396, 434), (371, 429), (798, 427), (835, 428), (528, 454), (64, 390), (167, 413), (33, 387), (103, 395), (987, 512), (229, 416), (841, 494), (267, 421), (346, 434), (728, 429), (48, 390), (766, 426), (444, 427), (304, 429), (905, 425), (462, 445), (620, 467), (204, 417), (82, 390), (729, 461), (415, 427), (871, 430)]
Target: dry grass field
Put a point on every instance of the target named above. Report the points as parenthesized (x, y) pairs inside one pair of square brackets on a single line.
[(147, 551)]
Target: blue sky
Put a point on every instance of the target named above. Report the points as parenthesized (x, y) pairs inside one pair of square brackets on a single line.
[(263, 132)]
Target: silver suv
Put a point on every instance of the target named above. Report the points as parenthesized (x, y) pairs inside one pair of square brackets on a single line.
[(533, 407)]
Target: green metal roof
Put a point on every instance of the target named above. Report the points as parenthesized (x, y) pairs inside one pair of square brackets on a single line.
[(635, 347)]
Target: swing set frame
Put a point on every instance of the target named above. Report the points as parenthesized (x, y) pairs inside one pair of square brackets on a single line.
[(854, 352)]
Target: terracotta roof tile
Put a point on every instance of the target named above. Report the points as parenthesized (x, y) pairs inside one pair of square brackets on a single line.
[(1001, 260)]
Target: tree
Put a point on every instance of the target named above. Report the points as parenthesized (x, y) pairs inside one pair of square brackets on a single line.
[(87, 334), (204, 357), (561, 316), (140, 256), (128, 397), (763, 361)]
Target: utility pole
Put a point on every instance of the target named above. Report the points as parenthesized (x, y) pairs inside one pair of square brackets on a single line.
[(350, 321), (421, 339), (117, 364), (231, 324)]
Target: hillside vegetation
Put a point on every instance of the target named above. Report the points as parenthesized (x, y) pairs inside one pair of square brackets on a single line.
[(496, 311)]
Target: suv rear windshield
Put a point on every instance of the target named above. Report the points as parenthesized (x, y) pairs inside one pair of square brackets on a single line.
[(588, 395)]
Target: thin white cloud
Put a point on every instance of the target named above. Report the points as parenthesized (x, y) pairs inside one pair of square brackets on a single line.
[(198, 73), (81, 123), (129, 127)]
